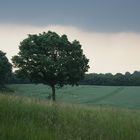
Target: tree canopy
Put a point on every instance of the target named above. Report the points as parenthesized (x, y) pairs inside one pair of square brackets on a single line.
[(5, 68), (51, 59), (108, 79)]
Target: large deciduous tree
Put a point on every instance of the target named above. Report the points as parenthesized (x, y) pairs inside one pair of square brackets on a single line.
[(51, 59), (5, 68)]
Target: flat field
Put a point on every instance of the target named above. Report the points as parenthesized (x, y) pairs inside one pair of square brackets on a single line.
[(80, 113), (114, 96)]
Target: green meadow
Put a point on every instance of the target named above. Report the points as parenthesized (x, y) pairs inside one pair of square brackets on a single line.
[(80, 113), (128, 97)]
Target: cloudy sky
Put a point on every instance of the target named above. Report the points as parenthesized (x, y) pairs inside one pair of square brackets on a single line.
[(109, 30)]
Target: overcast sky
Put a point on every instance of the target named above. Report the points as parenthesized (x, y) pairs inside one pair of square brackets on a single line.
[(109, 30)]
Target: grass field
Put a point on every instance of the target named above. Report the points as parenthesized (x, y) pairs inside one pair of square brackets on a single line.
[(126, 97), (80, 113), (23, 118)]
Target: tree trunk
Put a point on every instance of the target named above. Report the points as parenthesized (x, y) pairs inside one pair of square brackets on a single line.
[(53, 92)]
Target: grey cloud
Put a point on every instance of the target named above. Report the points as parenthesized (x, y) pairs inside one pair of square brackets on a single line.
[(97, 15)]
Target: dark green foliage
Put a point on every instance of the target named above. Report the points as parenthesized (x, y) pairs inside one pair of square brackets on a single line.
[(109, 79), (15, 79), (5, 69), (51, 59)]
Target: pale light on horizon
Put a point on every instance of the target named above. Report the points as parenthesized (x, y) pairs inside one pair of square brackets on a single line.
[(108, 52)]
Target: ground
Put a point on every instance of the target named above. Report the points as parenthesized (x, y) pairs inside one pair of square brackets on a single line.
[(80, 113), (125, 96)]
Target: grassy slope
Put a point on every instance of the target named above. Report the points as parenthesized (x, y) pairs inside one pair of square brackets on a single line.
[(31, 119), (100, 95)]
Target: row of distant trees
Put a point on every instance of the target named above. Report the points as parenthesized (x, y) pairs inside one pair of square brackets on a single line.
[(108, 79)]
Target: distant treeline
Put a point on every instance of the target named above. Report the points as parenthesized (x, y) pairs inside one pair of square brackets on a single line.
[(15, 79), (109, 79)]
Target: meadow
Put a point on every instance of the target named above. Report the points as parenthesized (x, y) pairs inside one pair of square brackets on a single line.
[(80, 113), (126, 97), (23, 118)]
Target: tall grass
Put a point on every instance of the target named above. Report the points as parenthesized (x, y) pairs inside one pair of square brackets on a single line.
[(32, 119)]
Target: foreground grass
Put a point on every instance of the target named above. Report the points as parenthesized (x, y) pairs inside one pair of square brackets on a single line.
[(32, 119)]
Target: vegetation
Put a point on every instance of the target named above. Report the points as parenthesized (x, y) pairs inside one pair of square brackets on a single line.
[(16, 79), (51, 59), (122, 97), (5, 69), (26, 118), (109, 79)]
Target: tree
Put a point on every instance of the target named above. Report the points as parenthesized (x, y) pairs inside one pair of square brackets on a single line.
[(136, 78), (5, 68), (51, 59), (119, 79)]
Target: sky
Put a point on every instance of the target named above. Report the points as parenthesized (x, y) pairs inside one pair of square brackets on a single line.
[(108, 30)]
